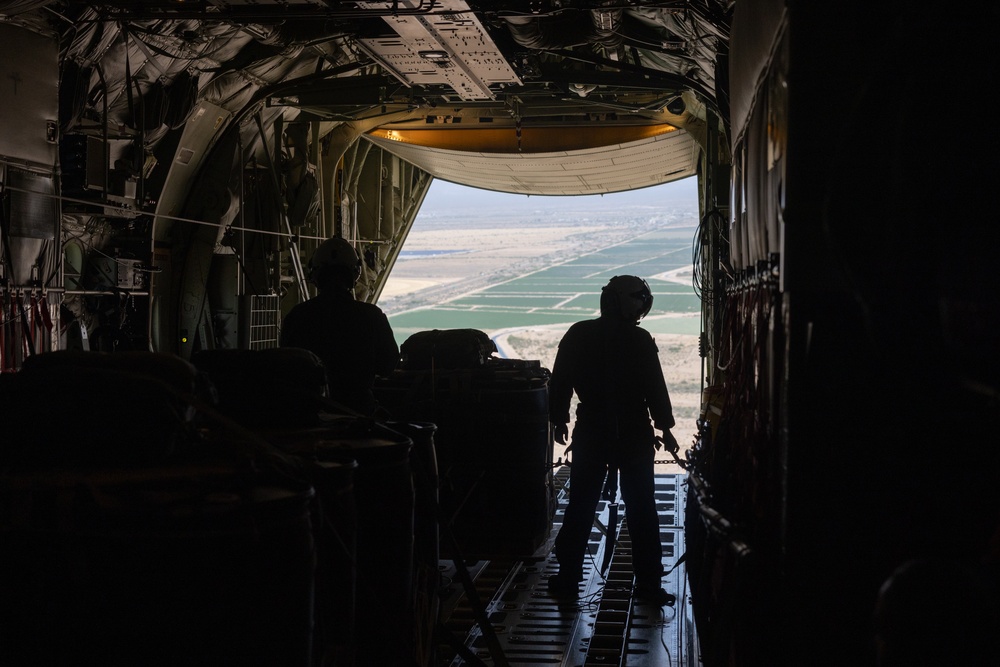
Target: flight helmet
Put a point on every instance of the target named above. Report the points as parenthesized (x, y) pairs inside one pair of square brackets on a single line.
[(626, 298), (335, 263)]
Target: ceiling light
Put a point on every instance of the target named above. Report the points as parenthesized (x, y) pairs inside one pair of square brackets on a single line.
[(435, 56)]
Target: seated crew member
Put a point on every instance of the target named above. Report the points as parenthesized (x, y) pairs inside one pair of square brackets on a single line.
[(613, 366), (352, 338)]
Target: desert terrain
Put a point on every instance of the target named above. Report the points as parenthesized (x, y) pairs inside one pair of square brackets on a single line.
[(474, 253)]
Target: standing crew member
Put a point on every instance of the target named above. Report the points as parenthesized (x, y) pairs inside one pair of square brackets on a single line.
[(613, 366), (352, 338)]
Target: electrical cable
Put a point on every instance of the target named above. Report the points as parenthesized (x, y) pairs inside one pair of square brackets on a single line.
[(676, 82), (682, 599), (663, 622), (113, 16), (173, 56), (642, 42), (325, 39), (675, 4), (192, 221), (747, 393)]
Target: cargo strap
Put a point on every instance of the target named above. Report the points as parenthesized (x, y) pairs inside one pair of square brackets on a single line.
[(3, 329), (611, 495), (84, 338), (8, 261)]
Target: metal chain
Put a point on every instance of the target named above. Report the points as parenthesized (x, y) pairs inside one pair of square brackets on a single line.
[(682, 464)]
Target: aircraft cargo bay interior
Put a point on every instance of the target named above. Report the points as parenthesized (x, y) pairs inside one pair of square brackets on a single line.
[(227, 441)]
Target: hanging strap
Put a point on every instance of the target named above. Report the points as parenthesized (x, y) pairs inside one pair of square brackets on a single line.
[(611, 535), (43, 308), (3, 332), (9, 262), (128, 76), (27, 341), (36, 321)]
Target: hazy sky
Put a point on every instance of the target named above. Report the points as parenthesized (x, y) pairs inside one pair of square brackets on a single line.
[(449, 196)]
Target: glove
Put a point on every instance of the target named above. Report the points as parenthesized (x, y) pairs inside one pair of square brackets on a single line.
[(560, 433), (668, 441)]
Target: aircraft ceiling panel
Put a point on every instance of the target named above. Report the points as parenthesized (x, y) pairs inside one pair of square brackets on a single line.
[(450, 47), (616, 168)]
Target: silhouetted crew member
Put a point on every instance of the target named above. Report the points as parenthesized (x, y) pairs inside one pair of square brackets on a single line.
[(352, 338), (613, 366)]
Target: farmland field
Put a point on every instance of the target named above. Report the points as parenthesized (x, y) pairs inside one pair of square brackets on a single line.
[(568, 290)]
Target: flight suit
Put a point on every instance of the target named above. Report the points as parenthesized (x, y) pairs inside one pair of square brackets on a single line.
[(614, 368)]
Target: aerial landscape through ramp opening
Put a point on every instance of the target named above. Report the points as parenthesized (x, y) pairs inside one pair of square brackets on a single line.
[(524, 269)]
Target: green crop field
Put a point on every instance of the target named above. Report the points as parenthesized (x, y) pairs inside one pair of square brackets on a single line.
[(570, 291)]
